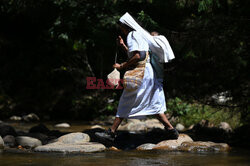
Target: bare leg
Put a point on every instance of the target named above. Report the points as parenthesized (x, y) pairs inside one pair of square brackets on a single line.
[(164, 120), (116, 123)]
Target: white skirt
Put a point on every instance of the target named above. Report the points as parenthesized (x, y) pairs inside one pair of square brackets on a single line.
[(148, 99)]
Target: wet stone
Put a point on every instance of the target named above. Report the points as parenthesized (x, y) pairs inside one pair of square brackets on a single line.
[(74, 138), (1, 143), (173, 144), (147, 146), (28, 142), (59, 147), (9, 141), (200, 146)]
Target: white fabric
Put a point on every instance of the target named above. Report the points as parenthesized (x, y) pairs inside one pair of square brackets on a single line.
[(114, 77), (135, 42), (159, 45), (149, 98)]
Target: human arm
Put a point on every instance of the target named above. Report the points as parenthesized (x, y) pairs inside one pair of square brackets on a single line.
[(122, 44), (132, 61)]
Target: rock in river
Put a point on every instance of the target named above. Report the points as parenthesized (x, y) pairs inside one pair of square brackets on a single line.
[(31, 117), (9, 140), (28, 142), (1, 143), (63, 125), (147, 146), (200, 146), (225, 126), (74, 138), (97, 127), (41, 128), (7, 130), (15, 118), (180, 127), (173, 144), (60, 147)]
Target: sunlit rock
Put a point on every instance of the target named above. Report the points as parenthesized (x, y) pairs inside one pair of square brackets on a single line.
[(180, 127), (74, 138), (97, 127), (62, 125), (173, 144), (31, 117), (153, 123), (59, 147), (113, 148), (200, 146), (147, 146), (225, 126), (15, 118)]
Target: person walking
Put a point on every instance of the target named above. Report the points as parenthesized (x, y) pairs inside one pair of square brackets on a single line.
[(143, 92)]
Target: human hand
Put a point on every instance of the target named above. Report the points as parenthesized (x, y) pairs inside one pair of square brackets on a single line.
[(120, 41), (117, 66)]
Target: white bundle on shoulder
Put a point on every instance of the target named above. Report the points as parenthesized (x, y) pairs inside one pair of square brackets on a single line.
[(159, 45)]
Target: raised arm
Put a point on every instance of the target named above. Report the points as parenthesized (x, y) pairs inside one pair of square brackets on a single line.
[(122, 44)]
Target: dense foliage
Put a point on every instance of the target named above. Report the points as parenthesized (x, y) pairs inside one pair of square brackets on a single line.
[(49, 47)]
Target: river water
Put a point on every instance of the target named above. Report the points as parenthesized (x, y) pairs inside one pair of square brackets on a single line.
[(237, 157), (127, 158)]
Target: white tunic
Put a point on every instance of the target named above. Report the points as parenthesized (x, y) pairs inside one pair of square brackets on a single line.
[(149, 98)]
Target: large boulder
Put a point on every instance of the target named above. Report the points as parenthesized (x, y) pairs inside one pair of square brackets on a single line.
[(7, 130), (173, 144), (30, 117), (9, 140), (74, 138), (60, 147), (62, 125), (200, 146), (28, 142), (1, 143)]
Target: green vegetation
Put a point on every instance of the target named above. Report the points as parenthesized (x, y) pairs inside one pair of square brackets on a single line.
[(49, 47), (192, 113)]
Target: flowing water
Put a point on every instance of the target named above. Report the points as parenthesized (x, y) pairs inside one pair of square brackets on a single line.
[(237, 157), (127, 158)]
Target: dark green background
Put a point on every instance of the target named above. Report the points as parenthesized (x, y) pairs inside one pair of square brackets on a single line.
[(49, 47)]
